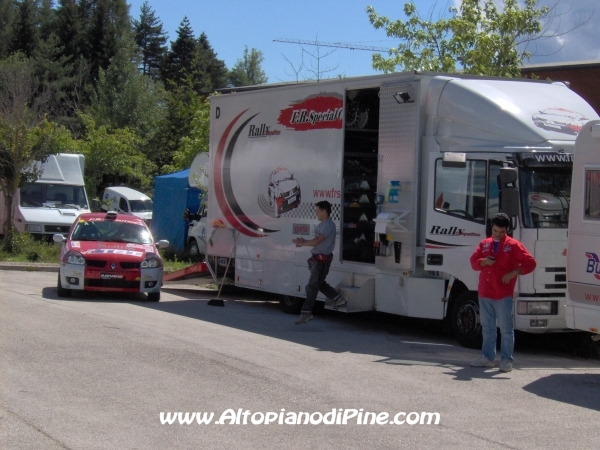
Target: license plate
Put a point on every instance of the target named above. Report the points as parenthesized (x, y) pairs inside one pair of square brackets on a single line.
[(111, 276), (292, 199)]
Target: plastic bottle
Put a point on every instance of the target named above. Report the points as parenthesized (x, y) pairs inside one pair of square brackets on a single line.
[(394, 192)]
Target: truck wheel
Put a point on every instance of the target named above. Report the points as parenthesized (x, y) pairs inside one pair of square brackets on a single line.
[(193, 251), (62, 292), (154, 296), (291, 304), (465, 320)]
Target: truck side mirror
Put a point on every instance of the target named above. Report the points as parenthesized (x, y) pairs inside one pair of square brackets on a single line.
[(509, 201), (509, 195)]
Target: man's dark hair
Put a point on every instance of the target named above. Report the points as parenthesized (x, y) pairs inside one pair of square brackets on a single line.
[(501, 220), (325, 206)]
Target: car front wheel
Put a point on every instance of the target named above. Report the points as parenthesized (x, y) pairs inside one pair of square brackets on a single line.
[(154, 296), (61, 291)]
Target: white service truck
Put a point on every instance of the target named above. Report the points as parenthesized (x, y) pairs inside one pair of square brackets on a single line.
[(51, 203), (583, 266), (415, 165)]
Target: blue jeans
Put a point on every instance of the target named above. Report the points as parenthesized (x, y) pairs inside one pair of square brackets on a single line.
[(316, 283), (499, 313)]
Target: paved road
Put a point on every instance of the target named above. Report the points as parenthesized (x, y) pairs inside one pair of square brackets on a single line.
[(95, 371)]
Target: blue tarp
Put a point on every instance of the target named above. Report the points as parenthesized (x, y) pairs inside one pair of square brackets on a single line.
[(172, 194)]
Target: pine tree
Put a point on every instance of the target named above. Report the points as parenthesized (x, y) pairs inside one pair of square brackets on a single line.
[(109, 24), (25, 31), (209, 64), (151, 39), (7, 15), (179, 60), (68, 29)]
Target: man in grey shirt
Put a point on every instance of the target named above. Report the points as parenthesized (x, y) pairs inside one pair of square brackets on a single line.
[(323, 245)]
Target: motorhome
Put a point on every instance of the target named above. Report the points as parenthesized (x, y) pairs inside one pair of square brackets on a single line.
[(51, 203), (415, 165), (583, 251)]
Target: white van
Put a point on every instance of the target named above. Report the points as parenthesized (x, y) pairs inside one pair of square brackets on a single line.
[(129, 201)]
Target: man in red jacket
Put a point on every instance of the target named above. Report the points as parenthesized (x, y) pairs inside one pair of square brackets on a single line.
[(500, 259)]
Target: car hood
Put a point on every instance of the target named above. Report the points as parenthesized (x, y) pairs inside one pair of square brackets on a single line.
[(112, 250), (287, 185), (58, 216)]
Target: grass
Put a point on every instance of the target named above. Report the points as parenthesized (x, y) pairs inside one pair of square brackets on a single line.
[(26, 249)]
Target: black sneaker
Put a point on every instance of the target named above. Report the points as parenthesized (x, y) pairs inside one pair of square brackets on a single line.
[(304, 317)]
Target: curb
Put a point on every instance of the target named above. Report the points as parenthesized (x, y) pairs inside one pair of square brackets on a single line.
[(29, 267)]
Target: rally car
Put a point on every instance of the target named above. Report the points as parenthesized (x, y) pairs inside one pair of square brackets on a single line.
[(110, 252), (284, 190)]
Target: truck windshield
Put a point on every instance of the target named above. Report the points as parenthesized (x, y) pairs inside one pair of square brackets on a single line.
[(140, 205), (545, 196), (38, 195)]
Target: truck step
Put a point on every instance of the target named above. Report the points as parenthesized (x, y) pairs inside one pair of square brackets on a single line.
[(358, 298)]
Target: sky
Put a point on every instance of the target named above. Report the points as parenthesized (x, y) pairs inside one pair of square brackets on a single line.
[(230, 25)]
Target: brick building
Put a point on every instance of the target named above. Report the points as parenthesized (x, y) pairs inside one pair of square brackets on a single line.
[(582, 76)]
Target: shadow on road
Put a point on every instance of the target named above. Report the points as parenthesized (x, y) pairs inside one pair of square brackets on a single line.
[(580, 389)]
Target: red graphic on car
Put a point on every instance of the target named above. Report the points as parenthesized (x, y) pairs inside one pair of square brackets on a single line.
[(560, 120), (316, 112)]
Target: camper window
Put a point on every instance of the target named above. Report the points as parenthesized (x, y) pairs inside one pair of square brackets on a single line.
[(592, 194)]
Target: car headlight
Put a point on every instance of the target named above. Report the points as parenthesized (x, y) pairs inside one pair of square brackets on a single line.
[(74, 257), (151, 261)]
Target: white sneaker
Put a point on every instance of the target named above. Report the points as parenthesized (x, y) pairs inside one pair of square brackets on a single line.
[(482, 361), (339, 301), (505, 365)]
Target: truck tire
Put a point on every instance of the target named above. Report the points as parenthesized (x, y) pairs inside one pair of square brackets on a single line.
[(60, 291), (291, 304), (154, 296), (465, 320), (192, 250)]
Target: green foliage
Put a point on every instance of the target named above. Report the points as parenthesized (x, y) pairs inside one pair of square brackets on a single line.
[(22, 247), (124, 97), (112, 153), (193, 143), (482, 37), (247, 71)]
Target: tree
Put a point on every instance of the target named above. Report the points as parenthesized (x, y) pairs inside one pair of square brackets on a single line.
[(26, 135), (484, 39), (109, 24), (124, 97), (247, 71), (196, 141), (7, 14), (113, 153), (25, 31), (151, 39), (180, 58), (209, 65)]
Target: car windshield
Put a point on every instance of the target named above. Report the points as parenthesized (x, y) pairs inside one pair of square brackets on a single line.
[(38, 195), (545, 195), (111, 231), (140, 205), (280, 174)]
